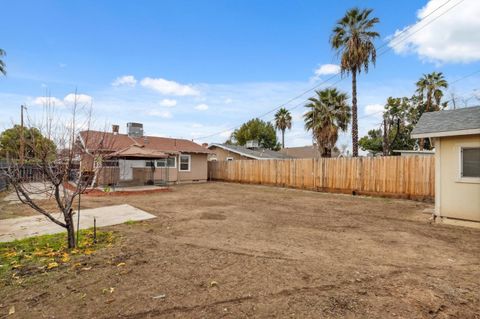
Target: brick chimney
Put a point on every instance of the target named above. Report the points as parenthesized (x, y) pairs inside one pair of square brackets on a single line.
[(115, 129)]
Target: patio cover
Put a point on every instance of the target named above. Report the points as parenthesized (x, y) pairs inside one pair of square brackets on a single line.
[(138, 151)]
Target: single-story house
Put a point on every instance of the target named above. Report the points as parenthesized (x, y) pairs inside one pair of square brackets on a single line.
[(228, 152), (456, 137), (309, 151), (135, 159)]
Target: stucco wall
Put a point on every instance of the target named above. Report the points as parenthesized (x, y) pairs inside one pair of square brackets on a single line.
[(198, 169), (458, 198), (222, 154)]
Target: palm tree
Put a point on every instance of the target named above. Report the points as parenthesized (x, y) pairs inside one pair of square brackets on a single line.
[(327, 113), (283, 120), (430, 86), (3, 68), (353, 37)]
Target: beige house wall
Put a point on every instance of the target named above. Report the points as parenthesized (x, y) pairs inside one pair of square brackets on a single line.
[(455, 197), (198, 169), (222, 154)]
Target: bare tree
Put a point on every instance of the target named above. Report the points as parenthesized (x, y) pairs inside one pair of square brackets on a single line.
[(54, 160)]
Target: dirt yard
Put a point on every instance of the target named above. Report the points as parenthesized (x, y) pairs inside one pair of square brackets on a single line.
[(222, 250)]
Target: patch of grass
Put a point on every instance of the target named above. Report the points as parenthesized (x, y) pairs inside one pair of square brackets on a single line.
[(131, 222), (44, 253)]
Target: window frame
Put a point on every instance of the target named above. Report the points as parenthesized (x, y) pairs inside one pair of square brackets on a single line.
[(165, 160), (180, 162), (461, 178), (229, 159)]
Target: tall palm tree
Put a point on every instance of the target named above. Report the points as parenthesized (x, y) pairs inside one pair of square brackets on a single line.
[(430, 87), (353, 37), (3, 68), (283, 121), (328, 112)]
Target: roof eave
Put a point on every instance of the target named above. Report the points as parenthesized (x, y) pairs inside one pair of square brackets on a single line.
[(446, 133)]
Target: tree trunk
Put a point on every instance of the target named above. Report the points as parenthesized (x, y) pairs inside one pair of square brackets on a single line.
[(385, 137), (354, 114), (70, 230), (283, 138), (427, 109)]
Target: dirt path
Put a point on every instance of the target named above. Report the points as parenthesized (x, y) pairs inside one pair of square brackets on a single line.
[(240, 251)]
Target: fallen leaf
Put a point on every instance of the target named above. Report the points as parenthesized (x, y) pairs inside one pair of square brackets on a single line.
[(162, 296), (121, 264), (213, 284), (65, 258), (86, 268), (52, 265), (11, 311)]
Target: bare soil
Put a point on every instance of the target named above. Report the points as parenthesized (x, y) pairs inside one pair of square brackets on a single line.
[(221, 250)]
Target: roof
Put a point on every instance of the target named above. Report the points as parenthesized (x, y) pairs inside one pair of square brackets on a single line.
[(110, 142), (464, 121), (139, 151), (251, 153), (309, 151)]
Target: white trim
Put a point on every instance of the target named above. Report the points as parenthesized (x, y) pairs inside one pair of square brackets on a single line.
[(460, 177), (166, 162), (472, 131), (180, 162), (438, 176)]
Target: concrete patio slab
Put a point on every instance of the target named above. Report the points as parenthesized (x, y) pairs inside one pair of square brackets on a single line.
[(37, 191), (24, 227)]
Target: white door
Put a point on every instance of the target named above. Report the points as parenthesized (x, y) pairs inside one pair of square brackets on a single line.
[(126, 173)]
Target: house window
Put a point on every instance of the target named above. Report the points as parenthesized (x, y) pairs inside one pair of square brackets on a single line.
[(228, 159), (185, 163), (149, 163), (470, 158), (167, 162)]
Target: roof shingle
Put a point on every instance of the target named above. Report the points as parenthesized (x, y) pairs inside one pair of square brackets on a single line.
[(109, 142), (442, 122)]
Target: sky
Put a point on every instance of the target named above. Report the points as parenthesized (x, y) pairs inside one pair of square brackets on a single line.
[(199, 69)]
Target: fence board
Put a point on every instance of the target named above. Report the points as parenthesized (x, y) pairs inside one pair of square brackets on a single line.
[(394, 176)]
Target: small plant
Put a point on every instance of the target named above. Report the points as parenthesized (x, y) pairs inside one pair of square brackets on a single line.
[(107, 189), (131, 222), (44, 253)]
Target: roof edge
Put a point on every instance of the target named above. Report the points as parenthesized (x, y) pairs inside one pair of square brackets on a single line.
[(447, 133)]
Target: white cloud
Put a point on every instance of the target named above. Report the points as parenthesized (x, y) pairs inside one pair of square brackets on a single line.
[(228, 101), (201, 107), (326, 69), (80, 99), (43, 100), (374, 109), (453, 37), (126, 80), (163, 114), (168, 102), (168, 87)]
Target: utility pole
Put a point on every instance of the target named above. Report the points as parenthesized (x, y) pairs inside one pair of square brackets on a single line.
[(22, 137)]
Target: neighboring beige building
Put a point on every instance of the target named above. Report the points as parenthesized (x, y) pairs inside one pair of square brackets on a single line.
[(134, 159), (228, 152), (456, 137)]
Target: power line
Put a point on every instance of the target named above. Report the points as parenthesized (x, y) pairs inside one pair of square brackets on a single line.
[(341, 79)]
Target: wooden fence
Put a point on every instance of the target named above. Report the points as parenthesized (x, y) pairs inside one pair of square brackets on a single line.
[(395, 176)]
